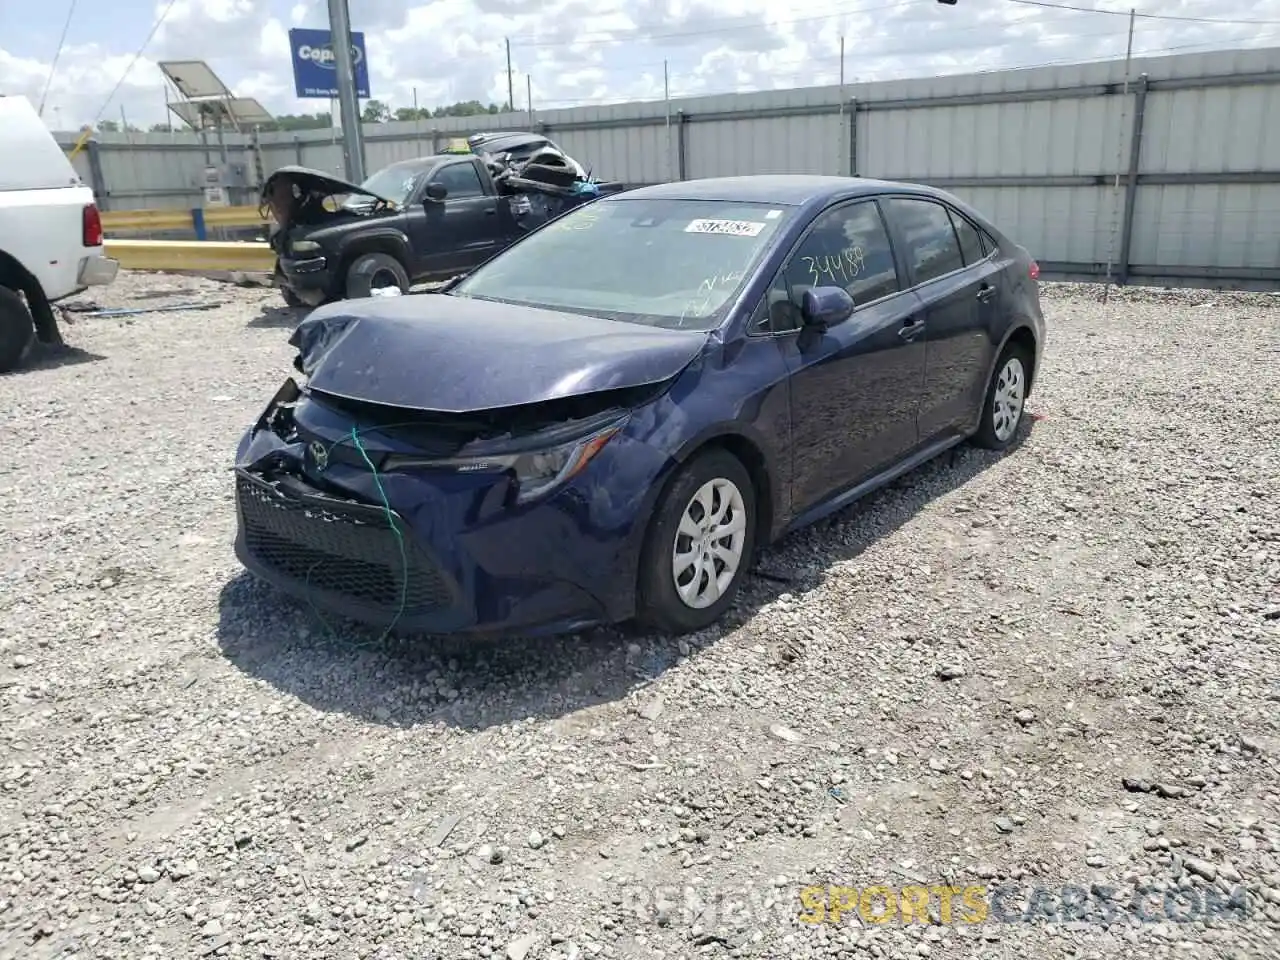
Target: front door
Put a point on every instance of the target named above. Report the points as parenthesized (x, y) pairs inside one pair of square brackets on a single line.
[(461, 231), (960, 288), (855, 389)]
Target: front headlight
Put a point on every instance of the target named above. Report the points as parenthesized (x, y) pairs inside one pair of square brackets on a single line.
[(536, 472), (304, 247)]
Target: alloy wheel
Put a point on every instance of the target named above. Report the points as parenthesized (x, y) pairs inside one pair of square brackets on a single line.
[(1010, 392), (709, 543)]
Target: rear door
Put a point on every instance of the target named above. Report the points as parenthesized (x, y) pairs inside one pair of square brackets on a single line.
[(463, 230), (959, 286), (855, 389)]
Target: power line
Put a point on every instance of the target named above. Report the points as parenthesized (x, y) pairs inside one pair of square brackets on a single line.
[(711, 31), (62, 41), (1142, 16), (809, 75), (145, 43), (872, 54)]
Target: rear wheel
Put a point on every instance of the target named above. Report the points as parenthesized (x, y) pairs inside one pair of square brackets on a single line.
[(375, 271), (17, 329), (699, 545), (1006, 399)]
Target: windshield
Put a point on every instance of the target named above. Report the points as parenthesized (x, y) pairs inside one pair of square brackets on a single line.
[(395, 182), (670, 263)]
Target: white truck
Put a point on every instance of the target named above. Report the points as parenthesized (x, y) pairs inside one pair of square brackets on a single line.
[(51, 243)]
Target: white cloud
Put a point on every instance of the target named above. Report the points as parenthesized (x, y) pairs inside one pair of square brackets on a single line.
[(581, 52)]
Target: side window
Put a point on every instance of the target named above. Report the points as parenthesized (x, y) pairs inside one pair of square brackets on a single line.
[(932, 248), (778, 311), (846, 247), (461, 180), (970, 242)]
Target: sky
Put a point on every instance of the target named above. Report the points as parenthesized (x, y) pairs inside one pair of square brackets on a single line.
[(574, 52)]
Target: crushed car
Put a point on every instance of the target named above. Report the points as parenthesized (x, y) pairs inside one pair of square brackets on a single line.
[(605, 421), (417, 221)]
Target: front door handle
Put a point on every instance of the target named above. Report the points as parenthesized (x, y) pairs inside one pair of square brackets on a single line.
[(490, 211), (912, 327), (986, 293)]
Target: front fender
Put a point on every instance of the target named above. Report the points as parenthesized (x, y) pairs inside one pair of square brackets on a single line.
[(390, 240)]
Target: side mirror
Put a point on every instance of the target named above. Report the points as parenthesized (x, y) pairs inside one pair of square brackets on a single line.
[(436, 191), (823, 307)]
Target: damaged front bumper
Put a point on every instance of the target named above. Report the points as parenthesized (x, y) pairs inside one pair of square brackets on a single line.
[(448, 551), (308, 277)]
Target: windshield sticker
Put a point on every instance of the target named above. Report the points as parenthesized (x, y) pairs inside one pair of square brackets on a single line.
[(733, 228), (773, 215)]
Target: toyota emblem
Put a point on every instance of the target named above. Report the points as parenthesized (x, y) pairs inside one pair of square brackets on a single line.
[(319, 455)]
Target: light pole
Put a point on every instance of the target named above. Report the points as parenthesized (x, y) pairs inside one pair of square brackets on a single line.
[(349, 105)]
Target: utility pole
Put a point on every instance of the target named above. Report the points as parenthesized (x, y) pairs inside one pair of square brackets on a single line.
[(352, 134), (511, 82), (528, 86)]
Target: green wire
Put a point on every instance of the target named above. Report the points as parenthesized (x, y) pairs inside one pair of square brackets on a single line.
[(404, 556), (391, 520)]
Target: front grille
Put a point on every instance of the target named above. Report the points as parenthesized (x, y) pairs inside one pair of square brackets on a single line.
[(338, 548)]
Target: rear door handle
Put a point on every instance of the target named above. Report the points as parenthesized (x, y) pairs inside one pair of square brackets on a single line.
[(911, 328), (490, 211), (986, 293)]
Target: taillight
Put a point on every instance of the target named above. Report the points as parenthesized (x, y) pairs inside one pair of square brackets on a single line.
[(1035, 270), (91, 227)]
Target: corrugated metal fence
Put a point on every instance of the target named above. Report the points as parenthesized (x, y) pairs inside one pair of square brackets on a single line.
[(1173, 176)]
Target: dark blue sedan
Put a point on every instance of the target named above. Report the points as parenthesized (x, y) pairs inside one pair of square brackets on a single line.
[(608, 419)]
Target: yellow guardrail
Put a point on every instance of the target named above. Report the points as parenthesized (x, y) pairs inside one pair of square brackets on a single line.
[(192, 255), (196, 220)]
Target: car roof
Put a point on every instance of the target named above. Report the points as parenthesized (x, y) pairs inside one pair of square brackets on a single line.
[(785, 189)]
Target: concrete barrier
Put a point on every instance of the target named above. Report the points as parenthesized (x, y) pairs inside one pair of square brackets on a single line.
[(192, 256), (197, 220)]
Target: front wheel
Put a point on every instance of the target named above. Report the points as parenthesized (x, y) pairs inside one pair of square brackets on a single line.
[(375, 271), (699, 545), (1006, 399)]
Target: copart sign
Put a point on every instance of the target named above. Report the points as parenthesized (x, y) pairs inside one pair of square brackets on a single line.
[(314, 69)]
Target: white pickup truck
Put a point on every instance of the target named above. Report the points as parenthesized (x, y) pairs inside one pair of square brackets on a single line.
[(50, 232)]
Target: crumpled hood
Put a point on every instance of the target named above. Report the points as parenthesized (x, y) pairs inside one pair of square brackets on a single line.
[(317, 181), (436, 352)]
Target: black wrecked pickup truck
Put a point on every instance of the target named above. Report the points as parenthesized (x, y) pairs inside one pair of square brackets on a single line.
[(415, 221)]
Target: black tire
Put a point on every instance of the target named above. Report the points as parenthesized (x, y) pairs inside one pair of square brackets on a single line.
[(290, 298), (994, 432), (17, 329), (659, 605), (375, 270)]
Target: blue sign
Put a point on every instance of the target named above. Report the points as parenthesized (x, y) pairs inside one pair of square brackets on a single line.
[(315, 74)]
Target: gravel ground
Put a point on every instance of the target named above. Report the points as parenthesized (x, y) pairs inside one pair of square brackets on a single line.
[(1054, 667)]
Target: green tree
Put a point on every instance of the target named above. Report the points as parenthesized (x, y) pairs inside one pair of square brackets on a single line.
[(375, 111)]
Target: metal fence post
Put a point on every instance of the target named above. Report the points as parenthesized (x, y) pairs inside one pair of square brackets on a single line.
[(96, 178), (1131, 186), (853, 136), (681, 152), (297, 150)]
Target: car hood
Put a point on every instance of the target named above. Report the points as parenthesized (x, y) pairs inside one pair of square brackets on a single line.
[(318, 182), (436, 352)]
